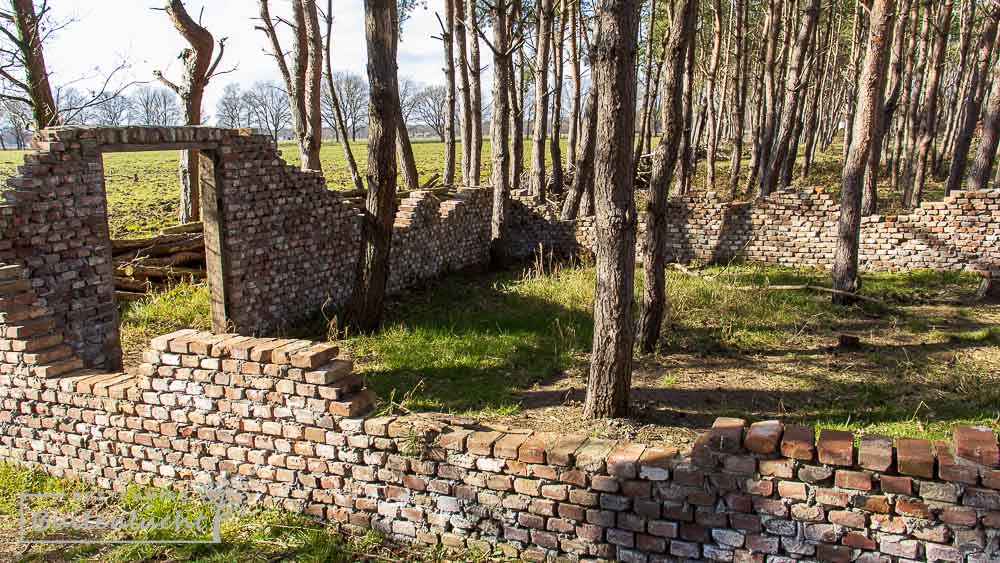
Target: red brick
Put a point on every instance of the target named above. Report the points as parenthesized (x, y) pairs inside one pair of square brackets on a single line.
[(656, 463), (726, 434), (507, 446), (915, 458), (875, 452), (833, 553), (561, 452), (793, 490), (533, 449), (896, 484), (953, 470), (832, 497), (857, 480), (481, 443), (836, 447), (798, 442), (858, 540), (850, 519), (624, 460), (977, 444), (959, 516), (764, 437)]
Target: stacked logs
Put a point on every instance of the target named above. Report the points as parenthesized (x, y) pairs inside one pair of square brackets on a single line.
[(145, 265)]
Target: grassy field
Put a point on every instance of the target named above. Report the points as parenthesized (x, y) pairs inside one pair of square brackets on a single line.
[(513, 349)]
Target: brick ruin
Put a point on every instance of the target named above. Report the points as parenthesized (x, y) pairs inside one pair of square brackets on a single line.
[(282, 422), (287, 422)]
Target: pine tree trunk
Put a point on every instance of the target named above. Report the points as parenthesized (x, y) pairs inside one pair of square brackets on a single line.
[(928, 125), (576, 95), (687, 150), (537, 184), (555, 151), (869, 197), (475, 76), (973, 101), (365, 311), (654, 294), (579, 199), (713, 71), (458, 23), (499, 128), (982, 166), (871, 89), (615, 80), (790, 108), (917, 106), (645, 105), (740, 75), (770, 96), (448, 39)]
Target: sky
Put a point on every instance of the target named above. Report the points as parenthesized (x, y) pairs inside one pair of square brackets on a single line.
[(105, 31)]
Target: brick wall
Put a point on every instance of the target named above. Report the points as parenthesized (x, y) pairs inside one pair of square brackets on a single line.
[(279, 245), (283, 422), (800, 228)]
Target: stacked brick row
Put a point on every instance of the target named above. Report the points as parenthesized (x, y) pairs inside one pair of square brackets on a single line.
[(281, 422)]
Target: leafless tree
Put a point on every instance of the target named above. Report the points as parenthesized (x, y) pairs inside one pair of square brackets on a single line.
[(352, 92), (199, 68), (155, 106), (269, 108), (332, 110), (431, 109), (113, 111), (654, 294), (302, 79), (231, 110), (20, 118), (544, 16)]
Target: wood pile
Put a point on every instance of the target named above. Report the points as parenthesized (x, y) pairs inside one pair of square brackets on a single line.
[(147, 264)]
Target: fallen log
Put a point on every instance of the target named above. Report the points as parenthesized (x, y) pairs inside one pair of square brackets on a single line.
[(128, 296), (157, 272), (130, 284), (125, 245), (811, 288), (196, 227), (178, 259), (193, 243), (430, 183)]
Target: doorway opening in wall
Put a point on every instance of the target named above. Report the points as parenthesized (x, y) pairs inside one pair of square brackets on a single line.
[(159, 263)]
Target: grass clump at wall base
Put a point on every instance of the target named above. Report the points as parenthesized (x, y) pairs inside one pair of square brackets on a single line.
[(184, 305), (251, 534)]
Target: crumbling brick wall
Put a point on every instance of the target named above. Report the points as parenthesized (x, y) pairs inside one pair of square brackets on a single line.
[(283, 422), (279, 244), (799, 228)]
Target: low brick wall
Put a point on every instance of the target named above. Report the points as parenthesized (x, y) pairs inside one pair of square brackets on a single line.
[(283, 422), (799, 228)]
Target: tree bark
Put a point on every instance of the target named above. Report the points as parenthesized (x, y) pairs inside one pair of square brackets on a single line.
[(555, 151), (615, 80), (499, 138), (476, 97), (928, 125), (647, 95), (198, 69), (576, 94), (448, 39), (869, 198), (464, 91), (302, 81), (687, 149), (36, 85), (982, 166), (341, 130), (973, 100), (739, 95), (537, 184), (770, 95), (366, 308), (654, 294), (517, 87), (871, 89), (793, 94), (583, 177), (710, 78)]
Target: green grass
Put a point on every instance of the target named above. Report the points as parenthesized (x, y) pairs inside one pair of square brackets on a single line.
[(487, 345), (252, 534)]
